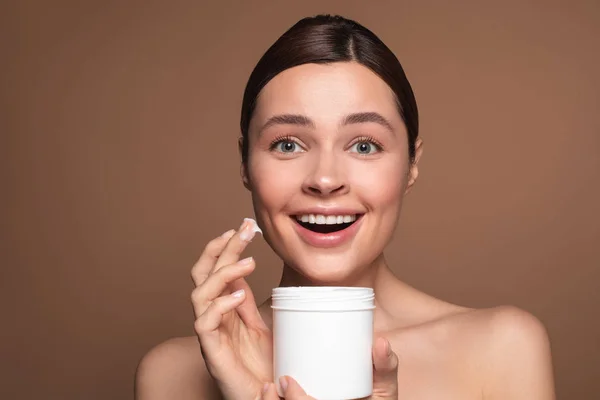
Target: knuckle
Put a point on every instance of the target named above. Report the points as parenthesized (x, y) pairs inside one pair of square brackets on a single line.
[(200, 326), (215, 307), (197, 276), (218, 306), (197, 295)]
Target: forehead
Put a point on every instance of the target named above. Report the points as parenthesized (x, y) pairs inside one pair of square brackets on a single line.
[(325, 93)]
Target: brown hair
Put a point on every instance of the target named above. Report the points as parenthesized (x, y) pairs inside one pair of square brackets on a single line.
[(324, 39)]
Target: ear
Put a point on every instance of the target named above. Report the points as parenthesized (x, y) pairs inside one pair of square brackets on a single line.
[(243, 168), (244, 175), (413, 172)]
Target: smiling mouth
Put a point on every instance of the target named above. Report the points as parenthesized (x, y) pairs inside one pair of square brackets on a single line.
[(326, 223)]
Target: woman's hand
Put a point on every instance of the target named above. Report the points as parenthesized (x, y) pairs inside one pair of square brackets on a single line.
[(385, 378), (236, 343)]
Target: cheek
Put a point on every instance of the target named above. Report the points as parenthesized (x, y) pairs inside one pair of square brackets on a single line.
[(380, 184), (274, 182)]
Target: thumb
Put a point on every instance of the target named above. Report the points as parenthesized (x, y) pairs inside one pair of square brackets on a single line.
[(292, 390), (385, 371)]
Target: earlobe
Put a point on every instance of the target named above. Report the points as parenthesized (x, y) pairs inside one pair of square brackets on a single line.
[(413, 172), (243, 169), (412, 177), (241, 146), (244, 175)]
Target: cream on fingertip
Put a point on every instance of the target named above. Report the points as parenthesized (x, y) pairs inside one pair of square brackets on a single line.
[(255, 227), (248, 229)]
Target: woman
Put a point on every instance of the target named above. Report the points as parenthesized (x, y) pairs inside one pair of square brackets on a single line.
[(330, 148)]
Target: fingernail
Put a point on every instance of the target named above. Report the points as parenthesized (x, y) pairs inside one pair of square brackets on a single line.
[(283, 383), (247, 235), (388, 348), (238, 293), (254, 225), (248, 229), (265, 388), (244, 224), (245, 261), (228, 234)]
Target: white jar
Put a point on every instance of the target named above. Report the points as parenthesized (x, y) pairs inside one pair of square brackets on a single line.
[(323, 338)]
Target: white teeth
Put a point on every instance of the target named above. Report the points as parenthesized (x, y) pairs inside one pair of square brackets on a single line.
[(331, 220), (320, 219)]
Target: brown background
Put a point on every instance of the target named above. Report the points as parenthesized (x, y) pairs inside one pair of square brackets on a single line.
[(119, 123)]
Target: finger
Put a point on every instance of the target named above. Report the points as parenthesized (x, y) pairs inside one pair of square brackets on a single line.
[(269, 392), (210, 320), (292, 389), (236, 245), (385, 371), (248, 310), (216, 283), (209, 257)]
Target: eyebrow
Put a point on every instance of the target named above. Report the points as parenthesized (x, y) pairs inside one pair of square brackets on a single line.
[(287, 119), (301, 120), (364, 117)]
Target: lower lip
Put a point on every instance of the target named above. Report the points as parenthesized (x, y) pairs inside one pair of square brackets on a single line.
[(327, 240)]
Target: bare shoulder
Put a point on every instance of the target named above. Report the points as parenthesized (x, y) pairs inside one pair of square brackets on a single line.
[(519, 348), (495, 353), (510, 334), (174, 369), (511, 348), (512, 325), (497, 325)]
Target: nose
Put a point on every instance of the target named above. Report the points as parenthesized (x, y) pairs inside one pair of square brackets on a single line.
[(326, 178)]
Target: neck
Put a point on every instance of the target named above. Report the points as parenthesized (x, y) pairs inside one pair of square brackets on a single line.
[(369, 276), (387, 287)]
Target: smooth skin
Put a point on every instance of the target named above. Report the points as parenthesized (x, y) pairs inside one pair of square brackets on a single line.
[(425, 348)]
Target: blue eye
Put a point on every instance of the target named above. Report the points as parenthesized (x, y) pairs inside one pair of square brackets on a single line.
[(364, 147), (286, 146)]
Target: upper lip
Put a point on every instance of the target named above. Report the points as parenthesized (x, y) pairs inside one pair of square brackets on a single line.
[(321, 210)]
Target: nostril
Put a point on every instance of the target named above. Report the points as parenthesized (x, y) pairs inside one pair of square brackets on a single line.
[(323, 190), (339, 188)]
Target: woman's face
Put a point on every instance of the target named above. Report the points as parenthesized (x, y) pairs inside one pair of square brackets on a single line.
[(328, 168)]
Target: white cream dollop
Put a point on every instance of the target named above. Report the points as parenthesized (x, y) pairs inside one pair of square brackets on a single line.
[(255, 227)]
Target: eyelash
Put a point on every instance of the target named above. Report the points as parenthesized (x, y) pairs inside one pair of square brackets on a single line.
[(288, 138), (369, 139), (279, 139)]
